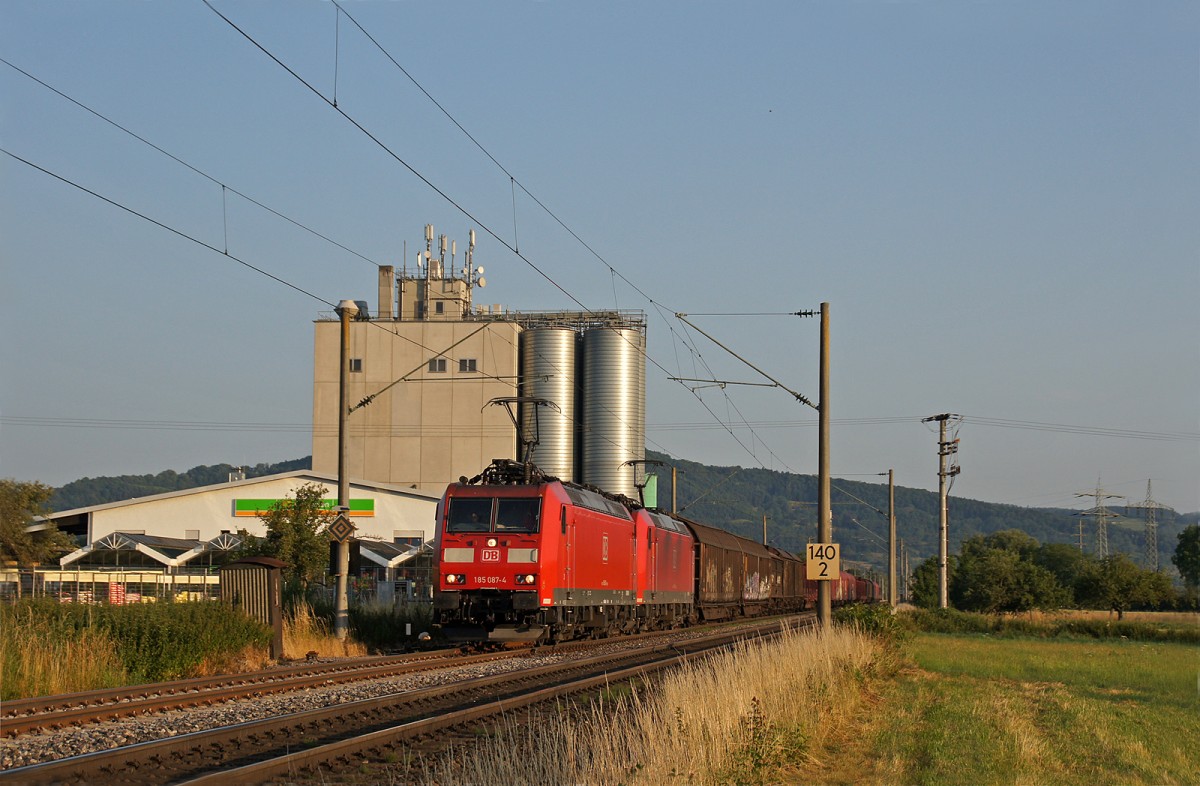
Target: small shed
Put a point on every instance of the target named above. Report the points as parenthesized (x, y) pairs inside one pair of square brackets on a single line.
[(254, 584)]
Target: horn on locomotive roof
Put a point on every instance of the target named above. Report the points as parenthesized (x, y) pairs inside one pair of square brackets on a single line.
[(528, 441)]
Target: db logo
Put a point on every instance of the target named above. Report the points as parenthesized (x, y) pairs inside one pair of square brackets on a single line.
[(489, 555)]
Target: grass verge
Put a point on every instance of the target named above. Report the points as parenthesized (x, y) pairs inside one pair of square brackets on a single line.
[(752, 715), (1026, 711)]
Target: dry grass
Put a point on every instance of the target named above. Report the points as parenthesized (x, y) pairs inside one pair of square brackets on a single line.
[(38, 663), (305, 632), (1155, 617), (749, 715)]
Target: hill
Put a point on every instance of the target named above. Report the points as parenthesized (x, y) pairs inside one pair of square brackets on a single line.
[(737, 498), (86, 492)]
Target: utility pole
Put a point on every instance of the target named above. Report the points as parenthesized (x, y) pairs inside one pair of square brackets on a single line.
[(1150, 509), (824, 506), (892, 538), (904, 569), (346, 310), (946, 448), (1102, 514)]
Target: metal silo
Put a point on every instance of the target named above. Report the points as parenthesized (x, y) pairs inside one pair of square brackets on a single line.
[(614, 407), (548, 371)]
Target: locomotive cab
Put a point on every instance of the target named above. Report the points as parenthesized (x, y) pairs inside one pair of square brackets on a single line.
[(488, 541)]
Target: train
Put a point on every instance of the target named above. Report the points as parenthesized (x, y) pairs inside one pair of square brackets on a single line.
[(523, 556)]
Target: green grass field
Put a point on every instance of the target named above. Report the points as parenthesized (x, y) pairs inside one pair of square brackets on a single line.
[(976, 709)]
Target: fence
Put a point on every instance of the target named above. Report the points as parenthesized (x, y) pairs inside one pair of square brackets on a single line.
[(120, 587), (116, 587)]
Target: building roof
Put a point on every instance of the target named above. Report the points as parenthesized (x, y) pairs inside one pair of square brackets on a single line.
[(389, 555), (171, 552), (300, 473)]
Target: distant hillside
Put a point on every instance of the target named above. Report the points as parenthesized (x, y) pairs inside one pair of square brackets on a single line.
[(97, 491), (736, 499)]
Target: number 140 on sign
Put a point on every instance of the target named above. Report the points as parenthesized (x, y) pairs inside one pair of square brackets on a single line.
[(824, 562)]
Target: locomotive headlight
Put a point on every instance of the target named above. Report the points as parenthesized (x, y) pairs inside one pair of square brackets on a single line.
[(491, 542), (455, 578), (526, 578)]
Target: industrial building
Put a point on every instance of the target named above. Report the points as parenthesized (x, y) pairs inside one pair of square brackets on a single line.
[(425, 366)]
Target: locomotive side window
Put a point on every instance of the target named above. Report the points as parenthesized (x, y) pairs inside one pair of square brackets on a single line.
[(517, 515), (469, 515)]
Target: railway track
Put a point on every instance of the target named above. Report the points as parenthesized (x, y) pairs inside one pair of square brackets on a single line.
[(257, 751), (23, 716)]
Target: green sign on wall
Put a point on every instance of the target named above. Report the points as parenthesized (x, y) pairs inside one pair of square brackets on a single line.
[(260, 507)]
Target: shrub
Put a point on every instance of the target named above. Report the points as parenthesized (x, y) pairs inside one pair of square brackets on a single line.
[(384, 626), (876, 619), (113, 645)]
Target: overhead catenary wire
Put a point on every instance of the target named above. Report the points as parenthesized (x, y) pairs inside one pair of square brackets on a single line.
[(224, 186), (482, 225)]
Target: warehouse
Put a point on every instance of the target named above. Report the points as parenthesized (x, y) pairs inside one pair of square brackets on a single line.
[(402, 517)]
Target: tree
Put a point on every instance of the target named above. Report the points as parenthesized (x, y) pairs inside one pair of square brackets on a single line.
[(924, 587), (1066, 562), (997, 574), (1187, 556), (20, 504), (1117, 584), (295, 534)]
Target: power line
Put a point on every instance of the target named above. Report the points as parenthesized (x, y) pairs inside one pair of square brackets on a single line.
[(178, 160), (483, 226)]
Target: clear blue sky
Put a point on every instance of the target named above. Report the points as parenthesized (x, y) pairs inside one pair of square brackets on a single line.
[(999, 201)]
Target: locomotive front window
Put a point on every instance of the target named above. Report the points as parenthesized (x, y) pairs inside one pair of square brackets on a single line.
[(517, 515), (469, 515)]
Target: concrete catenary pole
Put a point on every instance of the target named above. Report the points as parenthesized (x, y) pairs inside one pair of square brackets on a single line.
[(824, 508), (892, 596), (346, 310), (943, 519)]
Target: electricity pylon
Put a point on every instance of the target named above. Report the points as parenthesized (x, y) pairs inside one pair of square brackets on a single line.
[(1102, 514), (1150, 510)]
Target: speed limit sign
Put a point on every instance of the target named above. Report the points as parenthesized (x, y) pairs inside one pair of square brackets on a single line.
[(824, 562)]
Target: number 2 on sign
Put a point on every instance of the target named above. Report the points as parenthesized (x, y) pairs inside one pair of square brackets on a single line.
[(823, 563)]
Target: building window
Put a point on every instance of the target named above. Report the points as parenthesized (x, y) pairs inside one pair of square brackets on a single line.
[(466, 366), (439, 307), (355, 365), (437, 366), (408, 538)]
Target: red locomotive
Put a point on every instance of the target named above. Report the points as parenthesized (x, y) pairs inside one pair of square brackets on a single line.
[(523, 556)]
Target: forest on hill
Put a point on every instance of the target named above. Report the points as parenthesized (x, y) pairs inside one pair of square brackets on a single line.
[(86, 492), (737, 498)]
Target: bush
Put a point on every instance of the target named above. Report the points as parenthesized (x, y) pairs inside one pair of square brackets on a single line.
[(385, 626), (876, 619), (124, 644)]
